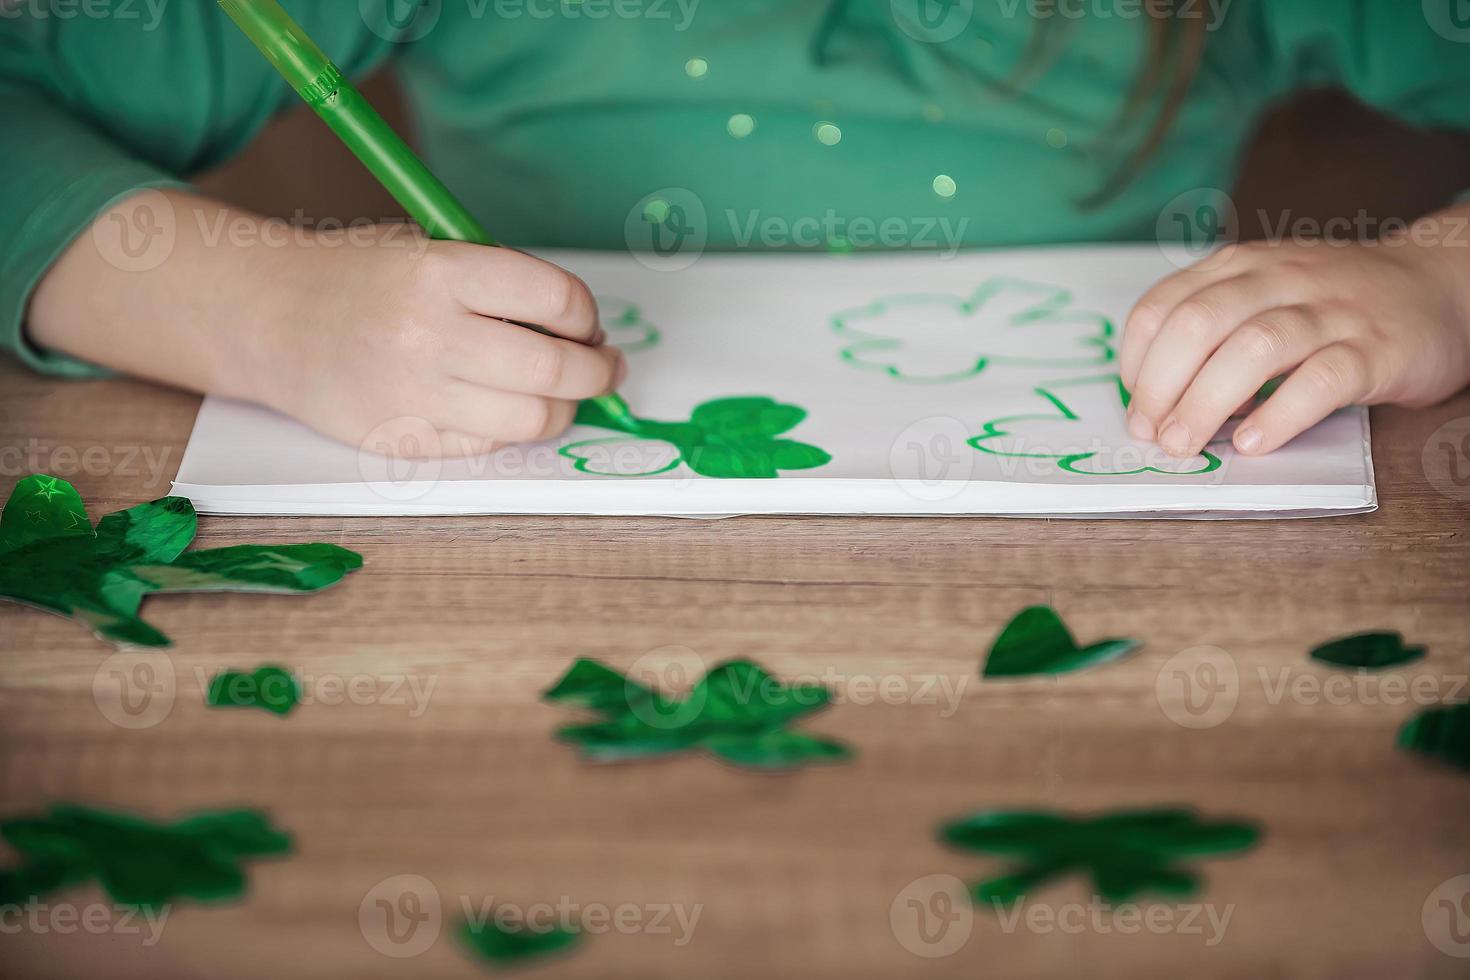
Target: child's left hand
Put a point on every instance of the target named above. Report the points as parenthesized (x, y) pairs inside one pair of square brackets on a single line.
[(1385, 322)]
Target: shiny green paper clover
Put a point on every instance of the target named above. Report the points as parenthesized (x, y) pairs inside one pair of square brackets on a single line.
[(500, 945), (1368, 651), (736, 712), (269, 688), (136, 861), (1441, 733), (1083, 430), (1126, 852), (1036, 641), (936, 338), (52, 558), (730, 438), (627, 330)]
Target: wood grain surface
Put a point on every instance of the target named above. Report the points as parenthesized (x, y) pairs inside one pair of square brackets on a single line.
[(424, 750)]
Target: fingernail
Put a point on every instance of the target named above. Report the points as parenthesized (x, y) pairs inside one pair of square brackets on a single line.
[(1139, 427), (1175, 438), (1248, 440)]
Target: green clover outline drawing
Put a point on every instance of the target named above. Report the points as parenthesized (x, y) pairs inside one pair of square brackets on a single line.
[(1049, 309), (627, 328), (725, 438), (996, 429)]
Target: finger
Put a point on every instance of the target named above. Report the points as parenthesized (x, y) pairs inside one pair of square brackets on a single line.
[(1187, 338), (510, 285), (1154, 307), (494, 354), (1335, 376), (501, 416), (1260, 349)]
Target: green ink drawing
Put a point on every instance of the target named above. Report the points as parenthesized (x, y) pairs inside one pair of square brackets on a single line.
[(1126, 852), (935, 338), (271, 688), (1036, 641), (731, 438), (626, 327), (736, 712), (1441, 733), (1081, 429), (1369, 651), (135, 860), (52, 558), (504, 945)]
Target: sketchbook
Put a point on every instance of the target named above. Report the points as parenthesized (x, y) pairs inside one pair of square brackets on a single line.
[(980, 383)]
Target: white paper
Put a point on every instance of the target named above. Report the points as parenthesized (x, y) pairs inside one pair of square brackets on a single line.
[(977, 383)]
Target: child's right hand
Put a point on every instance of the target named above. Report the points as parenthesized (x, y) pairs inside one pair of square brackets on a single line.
[(390, 337), (375, 336)]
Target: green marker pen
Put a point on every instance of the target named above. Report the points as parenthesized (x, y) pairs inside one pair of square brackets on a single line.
[(342, 107)]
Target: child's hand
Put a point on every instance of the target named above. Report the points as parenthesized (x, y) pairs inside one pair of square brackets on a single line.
[(1350, 324), (376, 337), (394, 337)]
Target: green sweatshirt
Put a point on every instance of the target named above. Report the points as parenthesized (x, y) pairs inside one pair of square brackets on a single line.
[(732, 124)]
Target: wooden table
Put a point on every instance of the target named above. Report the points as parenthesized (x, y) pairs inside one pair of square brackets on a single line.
[(807, 874)]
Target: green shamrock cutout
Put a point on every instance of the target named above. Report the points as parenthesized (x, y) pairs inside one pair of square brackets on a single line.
[(1036, 641), (935, 338), (502, 945), (730, 438), (1126, 852), (271, 688), (52, 558), (737, 712), (626, 328), (1369, 651), (1441, 733), (1081, 430), (136, 861)]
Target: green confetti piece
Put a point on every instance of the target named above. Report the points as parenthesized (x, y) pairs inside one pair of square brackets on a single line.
[(1037, 642), (269, 687), (502, 945), (729, 438), (1441, 733), (52, 558), (737, 712), (135, 860), (1371, 651), (1125, 852)]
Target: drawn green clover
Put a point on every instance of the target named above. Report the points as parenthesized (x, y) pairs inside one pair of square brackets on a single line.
[(626, 327), (52, 558), (736, 712), (730, 438), (1126, 852), (1082, 429), (136, 861), (936, 338)]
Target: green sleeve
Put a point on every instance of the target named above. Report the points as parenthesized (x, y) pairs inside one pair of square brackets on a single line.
[(97, 109), (1408, 58)]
